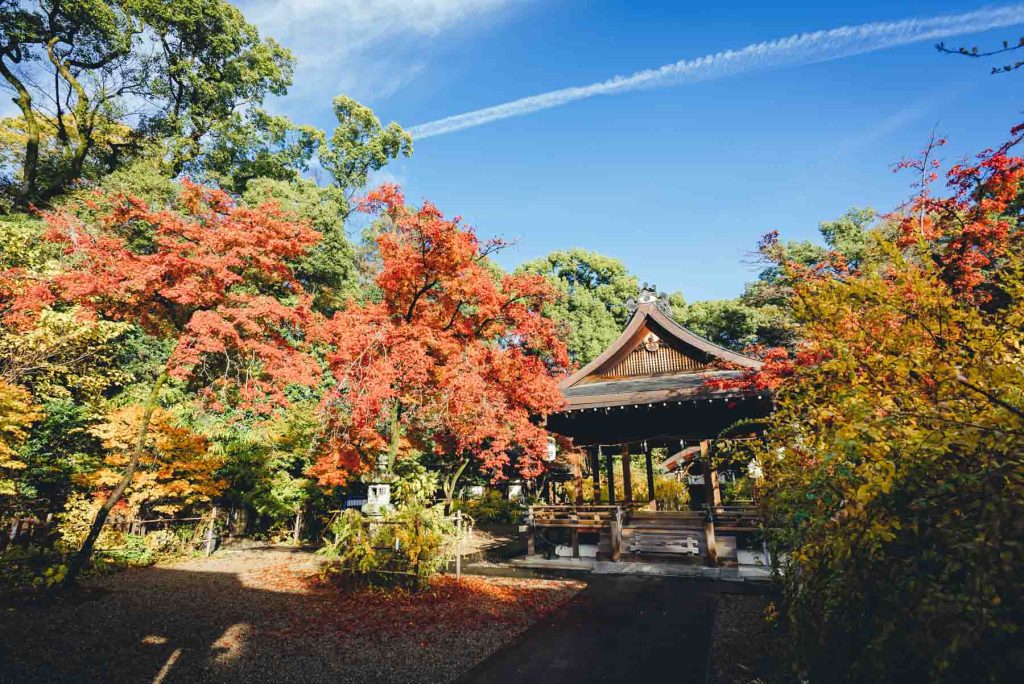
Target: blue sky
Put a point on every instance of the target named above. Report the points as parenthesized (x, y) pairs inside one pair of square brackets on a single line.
[(680, 181)]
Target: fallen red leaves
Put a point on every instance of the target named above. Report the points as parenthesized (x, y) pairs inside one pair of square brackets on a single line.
[(447, 606)]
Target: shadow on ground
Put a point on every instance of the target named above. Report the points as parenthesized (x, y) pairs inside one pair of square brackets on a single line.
[(243, 617), (147, 625), (620, 628)]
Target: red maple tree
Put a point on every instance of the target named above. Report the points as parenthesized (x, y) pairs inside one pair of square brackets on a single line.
[(454, 358), (212, 277)]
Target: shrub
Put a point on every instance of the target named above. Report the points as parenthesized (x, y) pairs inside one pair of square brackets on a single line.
[(404, 546), (30, 567), (492, 507)]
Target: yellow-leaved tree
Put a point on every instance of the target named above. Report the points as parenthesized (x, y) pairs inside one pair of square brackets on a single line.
[(894, 463)]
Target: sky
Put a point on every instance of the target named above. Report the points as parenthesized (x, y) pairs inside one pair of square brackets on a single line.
[(679, 180)]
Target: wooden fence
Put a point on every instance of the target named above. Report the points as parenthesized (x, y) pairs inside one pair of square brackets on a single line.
[(42, 531)]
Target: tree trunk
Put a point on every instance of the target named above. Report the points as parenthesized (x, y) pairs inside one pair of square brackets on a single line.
[(24, 102), (297, 532), (79, 560), (449, 486)]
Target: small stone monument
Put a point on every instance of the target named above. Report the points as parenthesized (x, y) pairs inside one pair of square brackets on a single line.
[(378, 491)]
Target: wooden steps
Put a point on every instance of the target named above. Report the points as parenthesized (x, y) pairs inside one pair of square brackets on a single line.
[(665, 533)]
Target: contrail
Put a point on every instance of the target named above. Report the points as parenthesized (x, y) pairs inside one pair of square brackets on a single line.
[(802, 48)]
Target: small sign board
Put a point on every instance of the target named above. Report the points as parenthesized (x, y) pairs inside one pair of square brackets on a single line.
[(695, 479)]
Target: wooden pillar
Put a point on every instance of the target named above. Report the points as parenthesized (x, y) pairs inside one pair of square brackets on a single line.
[(626, 452), (609, 470), (650, 477), (579, 479), (575, 543), (531, 533), (709, 521), (595, 471), (616, 538)]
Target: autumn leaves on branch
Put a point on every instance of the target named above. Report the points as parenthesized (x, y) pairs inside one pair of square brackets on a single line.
[(453, 354)]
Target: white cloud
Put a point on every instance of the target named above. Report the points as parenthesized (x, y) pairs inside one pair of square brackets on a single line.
[(803, 48), (365, 48)]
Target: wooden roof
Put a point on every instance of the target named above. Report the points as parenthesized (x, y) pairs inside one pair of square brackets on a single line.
[(653, 360)]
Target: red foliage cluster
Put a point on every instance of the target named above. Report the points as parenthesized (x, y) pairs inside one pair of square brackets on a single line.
[(213, 276), (777, 365), (463, 352), (964, 235), (446, 605), (967, 232)]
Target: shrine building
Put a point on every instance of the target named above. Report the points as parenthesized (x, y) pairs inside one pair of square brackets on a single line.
[(648, 395)]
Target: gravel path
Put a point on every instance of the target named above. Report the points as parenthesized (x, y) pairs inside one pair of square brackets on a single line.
[(261, 615), (746, 649)]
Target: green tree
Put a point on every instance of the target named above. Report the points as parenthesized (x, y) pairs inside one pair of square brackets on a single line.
[(727, 322), (329, 270), (594, 288), (256, 145), (765, 303), (95, 79), (359, 145)]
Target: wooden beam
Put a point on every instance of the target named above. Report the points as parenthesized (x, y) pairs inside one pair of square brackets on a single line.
[(627, 475), (595, 471), (650, 477)]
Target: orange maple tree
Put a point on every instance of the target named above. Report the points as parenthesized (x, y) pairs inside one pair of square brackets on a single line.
[(454, 358), (212, 277), (179, 469)]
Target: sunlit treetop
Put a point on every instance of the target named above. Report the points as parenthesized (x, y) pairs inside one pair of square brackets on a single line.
[(455, 355)]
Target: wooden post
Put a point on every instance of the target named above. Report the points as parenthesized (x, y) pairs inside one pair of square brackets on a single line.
[(609, 470), (709, 520), (575, 543), (627, 475), (595, 471), (616, 535), (579, 479), (652, 502), (531, 531), (458, 545), (209, 532)]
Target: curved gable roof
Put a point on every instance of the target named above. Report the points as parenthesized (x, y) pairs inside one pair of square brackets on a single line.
[(633, 334)]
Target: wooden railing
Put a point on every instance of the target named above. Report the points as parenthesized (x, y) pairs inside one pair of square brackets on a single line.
[(736, 518), (576, 519), (581, 518)]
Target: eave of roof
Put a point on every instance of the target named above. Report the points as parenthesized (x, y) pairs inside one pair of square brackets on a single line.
[(689, 386)]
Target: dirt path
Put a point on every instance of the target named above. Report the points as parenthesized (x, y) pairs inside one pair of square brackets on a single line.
[(261, 616)]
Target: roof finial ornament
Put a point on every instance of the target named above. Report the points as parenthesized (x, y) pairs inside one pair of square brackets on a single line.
[(649, 294)]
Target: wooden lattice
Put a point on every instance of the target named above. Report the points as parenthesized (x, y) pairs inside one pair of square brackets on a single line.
[(663, 359)]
